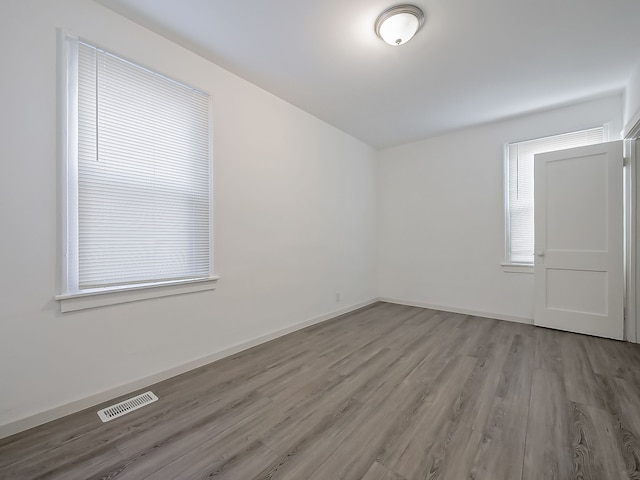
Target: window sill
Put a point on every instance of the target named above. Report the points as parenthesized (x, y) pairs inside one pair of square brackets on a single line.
[(101, 297), (517, 268)]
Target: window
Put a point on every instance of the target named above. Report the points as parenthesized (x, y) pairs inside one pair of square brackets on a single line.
[(519, 182), (138, 186)]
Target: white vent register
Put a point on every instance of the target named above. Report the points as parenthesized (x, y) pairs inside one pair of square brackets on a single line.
[(122, 408)]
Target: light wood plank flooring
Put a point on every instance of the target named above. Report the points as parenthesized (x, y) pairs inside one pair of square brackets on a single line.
[(388, 392)]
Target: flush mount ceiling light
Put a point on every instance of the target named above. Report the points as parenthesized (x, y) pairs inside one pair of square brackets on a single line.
[(397, 25)]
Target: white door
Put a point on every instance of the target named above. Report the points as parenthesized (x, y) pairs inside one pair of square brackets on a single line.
[(579, 275)]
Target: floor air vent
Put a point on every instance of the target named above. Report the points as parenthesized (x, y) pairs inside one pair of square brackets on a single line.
[(119, 409)]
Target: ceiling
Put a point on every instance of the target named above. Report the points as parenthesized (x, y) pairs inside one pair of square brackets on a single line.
[(472, 62)]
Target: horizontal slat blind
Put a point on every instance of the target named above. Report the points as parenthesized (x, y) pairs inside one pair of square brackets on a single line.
[(143, 175), (520, 172)]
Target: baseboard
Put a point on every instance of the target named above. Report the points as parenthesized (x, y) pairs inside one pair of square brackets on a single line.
[(67, 409), (463, 311)]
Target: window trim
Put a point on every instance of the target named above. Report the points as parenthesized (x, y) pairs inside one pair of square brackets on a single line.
[(100, 297), (517, 267), (72, 299), (507, 265)]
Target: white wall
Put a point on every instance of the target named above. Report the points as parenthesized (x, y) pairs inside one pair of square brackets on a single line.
[(441, 213), (294, 216), (632, 100)]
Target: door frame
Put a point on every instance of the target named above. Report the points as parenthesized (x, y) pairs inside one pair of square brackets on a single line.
[(631, 136)]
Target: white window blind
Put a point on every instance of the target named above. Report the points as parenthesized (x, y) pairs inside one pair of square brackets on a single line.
[(139, 201), (520, 208)]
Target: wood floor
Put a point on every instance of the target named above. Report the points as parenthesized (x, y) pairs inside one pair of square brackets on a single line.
[(385, 393)]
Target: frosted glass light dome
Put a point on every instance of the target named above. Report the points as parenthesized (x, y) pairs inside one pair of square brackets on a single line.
[(397, 25)]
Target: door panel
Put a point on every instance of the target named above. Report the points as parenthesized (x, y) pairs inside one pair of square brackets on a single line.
[(565, 290), (579, 283), (575, 191)]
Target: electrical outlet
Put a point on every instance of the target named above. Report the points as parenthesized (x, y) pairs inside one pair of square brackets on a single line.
[(338, 296)]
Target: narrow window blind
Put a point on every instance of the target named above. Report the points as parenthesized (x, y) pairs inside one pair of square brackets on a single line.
[(143, 175), (520, 168)]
